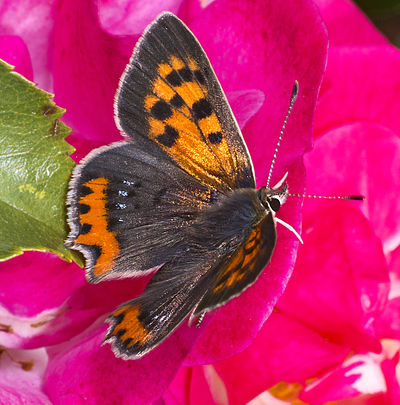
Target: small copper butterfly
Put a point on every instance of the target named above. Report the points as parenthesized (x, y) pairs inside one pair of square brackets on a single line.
[(177, 195)]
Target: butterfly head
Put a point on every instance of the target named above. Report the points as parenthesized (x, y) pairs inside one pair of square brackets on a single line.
[(272, 198)]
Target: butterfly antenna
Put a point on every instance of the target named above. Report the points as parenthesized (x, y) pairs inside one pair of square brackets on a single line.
[(334, 197), (293, 97)]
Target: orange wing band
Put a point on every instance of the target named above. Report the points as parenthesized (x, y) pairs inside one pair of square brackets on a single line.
[(98, 234), (129, 329), (233, 272)]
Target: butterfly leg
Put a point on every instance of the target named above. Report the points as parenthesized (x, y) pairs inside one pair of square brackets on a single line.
[(200, 319)]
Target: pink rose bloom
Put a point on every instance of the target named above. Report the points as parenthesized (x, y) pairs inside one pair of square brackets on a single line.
[(336, 303)]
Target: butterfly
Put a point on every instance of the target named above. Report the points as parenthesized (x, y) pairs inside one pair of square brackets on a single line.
[(176, 198)]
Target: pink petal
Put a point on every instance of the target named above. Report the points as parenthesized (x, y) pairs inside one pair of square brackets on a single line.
[(340, 283), (31, 20), (394, 266), (387, 325), (126, 17), (87, 65), (179, 387), (14, 51), (347, 25), (265, 34), (99, 377), (55, 302), (245, 104), (360, 84), (392, 383), (19, 385), (34, 288), (354, 159), (196, 386), (284, 350), (36, 281), (84, 307), (82, 145), (334, 386)]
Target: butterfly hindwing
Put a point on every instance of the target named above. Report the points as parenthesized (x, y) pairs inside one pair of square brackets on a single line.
[(243, 267), (141, 324), (170, 94), (209, 269), (128, 206)]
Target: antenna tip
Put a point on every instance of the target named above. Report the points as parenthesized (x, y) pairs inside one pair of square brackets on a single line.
[(295, 91), (356, 197)]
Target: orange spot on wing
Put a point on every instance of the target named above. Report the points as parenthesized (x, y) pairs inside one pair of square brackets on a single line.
[(210, 124), (156, 127), (185, 125), (193, 65), (149, 101), (233, 272), (99, 235), (130, 326), (177, 63), (163, 90), (190, 92), (190, 151), (164, 69), (185, 111)]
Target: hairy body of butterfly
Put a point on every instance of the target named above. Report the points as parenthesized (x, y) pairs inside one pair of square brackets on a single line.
[(177, 195)]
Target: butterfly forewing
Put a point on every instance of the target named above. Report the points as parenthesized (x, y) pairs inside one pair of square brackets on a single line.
[(128, 206), (170, 94)]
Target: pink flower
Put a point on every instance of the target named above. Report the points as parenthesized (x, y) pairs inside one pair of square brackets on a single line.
[(334, 302)]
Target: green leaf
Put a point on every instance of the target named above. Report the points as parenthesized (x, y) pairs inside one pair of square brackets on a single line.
[(34, 169)]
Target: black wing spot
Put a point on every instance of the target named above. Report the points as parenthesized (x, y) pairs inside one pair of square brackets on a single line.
[(169, 137), (202, 109), (127, 342), (161, 110), (177, 101), (120, 333), (84, 190), (215, 137), (174, 79), (96, 251), (83, 209), (186, 74), (85, 228)]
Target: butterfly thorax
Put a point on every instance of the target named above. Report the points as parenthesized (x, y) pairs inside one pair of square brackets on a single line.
[(226, 223)]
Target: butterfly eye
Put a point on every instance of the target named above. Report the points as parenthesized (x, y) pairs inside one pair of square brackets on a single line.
[(274, 203)]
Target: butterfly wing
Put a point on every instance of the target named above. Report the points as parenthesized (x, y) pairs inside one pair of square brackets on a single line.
[(243, 267), (169, 93), (199, 278), (139, 325), (128, 204)]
